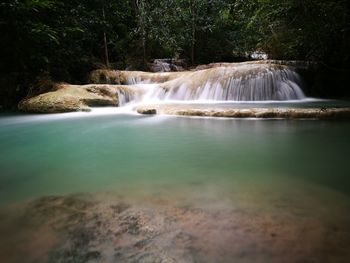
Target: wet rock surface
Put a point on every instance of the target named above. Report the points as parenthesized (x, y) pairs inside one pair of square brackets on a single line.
[(299, 64), (219, 82), (124, 77), (86, 228), (167, 65), (285, 113), (70, 98)]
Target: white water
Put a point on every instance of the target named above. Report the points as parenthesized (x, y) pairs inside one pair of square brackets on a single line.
[(246, 82)]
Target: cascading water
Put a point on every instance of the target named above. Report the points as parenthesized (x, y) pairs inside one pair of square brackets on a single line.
[(242, 82), (139, 93)]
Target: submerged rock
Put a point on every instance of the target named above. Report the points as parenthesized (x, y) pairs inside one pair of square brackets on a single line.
[(86, 228)]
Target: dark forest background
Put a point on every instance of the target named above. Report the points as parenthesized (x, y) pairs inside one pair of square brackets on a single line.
[(42, 41)]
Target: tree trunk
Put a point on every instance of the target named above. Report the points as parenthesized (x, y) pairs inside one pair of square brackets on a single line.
[(140, 4), (192, 47), (193, 30), (144, 51), (105, 36)]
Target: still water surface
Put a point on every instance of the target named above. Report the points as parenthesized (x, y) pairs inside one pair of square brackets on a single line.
[(268, 167), (76, 153)]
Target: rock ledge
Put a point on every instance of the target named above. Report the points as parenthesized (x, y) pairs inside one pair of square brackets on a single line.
[(285, 113)]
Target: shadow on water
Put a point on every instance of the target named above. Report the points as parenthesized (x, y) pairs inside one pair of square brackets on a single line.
[(311, 150)]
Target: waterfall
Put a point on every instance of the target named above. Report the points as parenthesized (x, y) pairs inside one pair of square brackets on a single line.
[(239, 82), (129, 94)]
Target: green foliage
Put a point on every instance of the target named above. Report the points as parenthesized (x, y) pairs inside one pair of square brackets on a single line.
[(295, 29), (64, 39)]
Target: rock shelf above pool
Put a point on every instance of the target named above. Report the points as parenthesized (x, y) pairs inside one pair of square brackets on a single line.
[(70, 98), (225, 112), (266, 82)]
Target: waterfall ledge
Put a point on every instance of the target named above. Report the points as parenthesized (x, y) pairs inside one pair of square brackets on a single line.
[(228, 82), (261, 113)]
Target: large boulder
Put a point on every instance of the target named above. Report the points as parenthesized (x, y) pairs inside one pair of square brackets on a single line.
[(167, 65), (68, 98)]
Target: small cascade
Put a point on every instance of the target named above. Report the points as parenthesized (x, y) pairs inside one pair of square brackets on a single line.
[(230, 82), (137, 93), (129, 94), (137, 79), (140, 77), (246, 83), (239, 82)]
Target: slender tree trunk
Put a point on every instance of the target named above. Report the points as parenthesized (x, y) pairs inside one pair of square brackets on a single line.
[(142, 20), (105, 36), (143, 34), (193, 30), (144, 51), (193, 45)]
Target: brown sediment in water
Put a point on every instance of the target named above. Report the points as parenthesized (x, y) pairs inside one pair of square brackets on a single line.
[(21, 241), (158, 228)]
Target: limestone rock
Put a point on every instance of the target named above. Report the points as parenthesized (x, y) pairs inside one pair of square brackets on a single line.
[(147, 111), (167, 65), (285, 113), (70, 98), (107, 76)]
